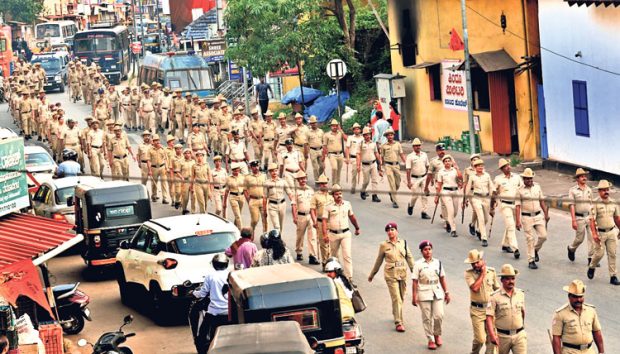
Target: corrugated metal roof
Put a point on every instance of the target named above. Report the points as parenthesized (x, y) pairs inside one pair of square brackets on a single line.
[(494, 61), (424, 65), (200, 27)]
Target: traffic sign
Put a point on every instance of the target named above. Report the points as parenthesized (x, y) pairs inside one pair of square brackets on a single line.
[(336, 69)]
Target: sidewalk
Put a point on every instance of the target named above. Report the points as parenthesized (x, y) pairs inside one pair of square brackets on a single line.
[(555, 185)]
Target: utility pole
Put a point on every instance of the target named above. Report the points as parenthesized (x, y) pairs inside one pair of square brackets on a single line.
[(470, 98), (161, 38), (142, 23), (245, 91), (135, 35)]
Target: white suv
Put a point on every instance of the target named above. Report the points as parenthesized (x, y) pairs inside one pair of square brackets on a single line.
[(164, 253)]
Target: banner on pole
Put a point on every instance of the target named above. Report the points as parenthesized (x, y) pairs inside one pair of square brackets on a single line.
[(453, 85)]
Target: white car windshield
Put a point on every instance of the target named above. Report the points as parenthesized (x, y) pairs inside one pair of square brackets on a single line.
[(38, 159), (64, 193), (199, 245)]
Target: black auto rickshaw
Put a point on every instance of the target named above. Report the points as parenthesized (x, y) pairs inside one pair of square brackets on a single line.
[(258, 338), (107, 213), (289, 292)]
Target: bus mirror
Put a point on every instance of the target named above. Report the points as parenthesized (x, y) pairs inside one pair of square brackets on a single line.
[(70, 201)]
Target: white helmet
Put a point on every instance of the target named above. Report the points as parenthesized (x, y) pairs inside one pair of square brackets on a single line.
[(332, 266)]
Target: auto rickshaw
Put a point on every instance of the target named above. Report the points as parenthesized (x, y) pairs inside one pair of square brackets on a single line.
[(259, 338), (289, 292), (107, 213)]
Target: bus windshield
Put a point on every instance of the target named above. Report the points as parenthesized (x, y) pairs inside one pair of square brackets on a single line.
[(49, 64), (101, 44), (48, 30), (189, 79)]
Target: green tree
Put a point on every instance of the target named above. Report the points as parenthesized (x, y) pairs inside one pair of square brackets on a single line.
[(21, 10)]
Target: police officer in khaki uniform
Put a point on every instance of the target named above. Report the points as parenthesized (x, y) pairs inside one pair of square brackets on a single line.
[(95, 149), (186, 170), (219, 181), (118, 150), (268, 139), (224, 127), (300, 138), (506, 314), (604, 223), (156, 164), (165, 109), (237, 152), (315, 147), (147, 111), (283, 132), (333, 148), (170, 154), (580, 201), (351, 150), (70, 139), (479, 188), (196, 139), (175, 176), (507, 185), (482, 282), (531, 208), (368, 162), (234, 193), (291, 161), (398, 257), (390, 152), (575, 325), (178, 112), (143, 156), (254, 195), (416, 165), (25, 114), (274, 202), (135, 101), (447, 185), (201, 181), (256, 134), (319, 201), (300, 205)]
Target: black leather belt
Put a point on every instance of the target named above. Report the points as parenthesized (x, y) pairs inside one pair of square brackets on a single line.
[(339, 231), (267, 139), (577, 346), (237, 160), (369, 162), (511, 202), (481, 194), (353, 156), (120, 157), (478, 305), (276, 201), (291, 171), (450, 188), (224, 130), (418, 176), (531, 214), (335, 153), (95, 146), (319, 219), (582, 215), (236, 193), (255, 197), (217, 187), (144, 161), (302, 213), (281, 144), (158, 166), (605, 230), (391, 163), (316, 149), (509, 332), (299, 145)]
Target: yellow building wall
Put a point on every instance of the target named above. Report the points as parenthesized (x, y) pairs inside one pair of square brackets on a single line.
[(428, 119)]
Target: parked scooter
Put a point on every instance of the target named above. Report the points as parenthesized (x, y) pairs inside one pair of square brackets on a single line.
[(109, 343), (71, 307)]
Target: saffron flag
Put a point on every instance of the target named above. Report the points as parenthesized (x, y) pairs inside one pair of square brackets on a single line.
[(22, 279), (455, 41)]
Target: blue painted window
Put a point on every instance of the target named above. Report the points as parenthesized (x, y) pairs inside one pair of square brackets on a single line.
[(580, 104)]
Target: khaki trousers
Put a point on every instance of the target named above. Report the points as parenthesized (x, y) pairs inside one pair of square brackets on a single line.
[(318, 166), (533, 224), (148, 119), (85, 94), (510, 231), (160, 176), (163, 119), (175, 189), (417, 192), (335, 162), (354, 175), (120, 169), (224, 142), (393, 177), (609, 242), (144, 173), (258, 152), (482, 207), (133, 121), (218, 196), (304, 228), (338, 242), (276, 213), (516, 344), (75, 90), (97, 162), (370, 175), (26, 119), (214, 140), (583, 228), (126, 117), (323, 246), (179, 126), (304, 162), (186, 195), (432, 317), (450, 199), (257, 213), (267, 154), (397, 289), (115, 113), (236, 204), (201, 191), (481, 338)]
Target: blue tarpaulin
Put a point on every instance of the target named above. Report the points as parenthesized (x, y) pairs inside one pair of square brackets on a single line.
[(294, 95), (325, 106)]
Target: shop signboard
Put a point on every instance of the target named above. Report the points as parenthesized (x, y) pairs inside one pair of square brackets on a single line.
[(13, 181), (453, 86)]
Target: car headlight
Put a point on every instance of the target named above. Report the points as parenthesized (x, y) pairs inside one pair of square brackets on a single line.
[(57, 78)]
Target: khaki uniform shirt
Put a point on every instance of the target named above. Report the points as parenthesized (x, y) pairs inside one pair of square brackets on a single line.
[(315, 138), (283, 133), (300, 135), (368, 151), (507, 187), (178, 105), (269, 131), (276, 189), (391, 152), (255, 184), (25, 106), (95, 138), (235, 184), (303, 199), (319, 201), (236, 150), (488, 286), (219, 177), (143, 152), (480, 185), (177, 160), (397, 256), (338, 215), (581, 199), (197, 141), (448, 178), (147, 104), (113, 98), (418, 164), (256, 128), (119, 146), (353, 143), (202, 116), (604, 213), (290, 160), (506, 310), (333, 142), (158, 157), (575, 328), (165, 102), (170, 155), (435, 165), (428, 273), (71, 137), (529, 198), (225, 122), (240, 126), (187, 168), (135, 99), (201, 172)]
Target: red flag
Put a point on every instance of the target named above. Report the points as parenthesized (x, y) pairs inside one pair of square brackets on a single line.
[(22, 279), (455, 41)]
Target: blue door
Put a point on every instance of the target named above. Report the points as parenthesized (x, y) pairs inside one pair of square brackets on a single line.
[(544, 152)]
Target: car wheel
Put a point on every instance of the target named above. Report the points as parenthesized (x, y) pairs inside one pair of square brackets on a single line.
[(62, 88), (73, 324), (123, 288), (159, 305)]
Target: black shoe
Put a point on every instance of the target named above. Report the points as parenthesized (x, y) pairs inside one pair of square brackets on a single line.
[(478, 235), (425, 216), (312, 260), (472, 229), (453, 234), (517, 254), (376, 199), (485, 243), (300, 257), (409, 209), (363, 195), (536, 258), (165, 202), (591, 273), (185, 212), (448, 228), (507, 249), (177, 205), (614, 280), (39, 138), (394, 205), (571, 254), (532, 265)]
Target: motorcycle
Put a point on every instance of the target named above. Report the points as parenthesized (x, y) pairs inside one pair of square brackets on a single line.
[(354, 340), (72, 307), (109, 343), (196, 311)]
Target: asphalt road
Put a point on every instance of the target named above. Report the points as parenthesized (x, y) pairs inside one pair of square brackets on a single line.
[(543, 287)]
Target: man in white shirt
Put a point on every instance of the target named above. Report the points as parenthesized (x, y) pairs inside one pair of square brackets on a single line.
[(416, 165)]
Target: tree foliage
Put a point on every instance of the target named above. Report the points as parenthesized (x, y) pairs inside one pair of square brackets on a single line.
[(21, 10)]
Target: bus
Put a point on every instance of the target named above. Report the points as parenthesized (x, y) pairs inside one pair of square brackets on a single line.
[(54, 32), (178, 70), (108, 47)]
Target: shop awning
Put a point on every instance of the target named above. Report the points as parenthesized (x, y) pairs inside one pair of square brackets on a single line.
[(25, 236), (493, 61), (424, 65), (605, 3)]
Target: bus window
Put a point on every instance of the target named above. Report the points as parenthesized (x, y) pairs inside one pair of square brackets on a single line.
[(194, 79), (174, 83), (105, 44), (48, 30)]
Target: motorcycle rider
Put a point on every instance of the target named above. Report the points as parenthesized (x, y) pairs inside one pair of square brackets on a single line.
[(216, 288), (333, 269), (69, 167)]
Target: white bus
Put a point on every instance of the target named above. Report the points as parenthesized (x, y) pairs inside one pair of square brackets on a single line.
[(55, 32)]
